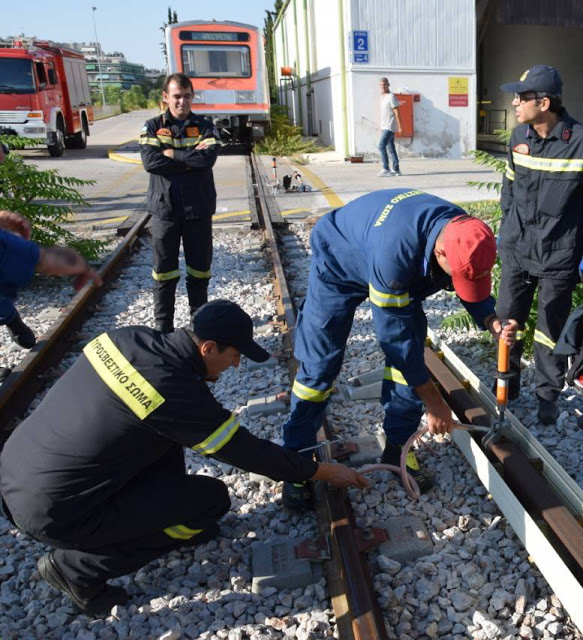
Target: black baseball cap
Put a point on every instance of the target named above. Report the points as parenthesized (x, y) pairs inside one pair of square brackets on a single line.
[(538, 78), (225, 322)]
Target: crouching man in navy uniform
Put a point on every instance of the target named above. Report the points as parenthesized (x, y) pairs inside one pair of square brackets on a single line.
[(98, 472), (396, 247)]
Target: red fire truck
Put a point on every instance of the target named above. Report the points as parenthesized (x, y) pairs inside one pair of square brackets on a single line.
[(44, 94)]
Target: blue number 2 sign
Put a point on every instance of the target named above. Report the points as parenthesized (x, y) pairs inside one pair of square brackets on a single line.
[(360, 46)]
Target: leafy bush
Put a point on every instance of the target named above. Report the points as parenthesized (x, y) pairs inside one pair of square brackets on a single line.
[(45, 198), (284, 138)]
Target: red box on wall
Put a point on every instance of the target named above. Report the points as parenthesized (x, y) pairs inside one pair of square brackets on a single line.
[(406, 113)]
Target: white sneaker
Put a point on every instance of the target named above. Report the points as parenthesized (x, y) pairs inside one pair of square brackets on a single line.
[(396, 173), (385, 173)]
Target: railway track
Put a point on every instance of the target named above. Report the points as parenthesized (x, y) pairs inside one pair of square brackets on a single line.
[(555, 513)]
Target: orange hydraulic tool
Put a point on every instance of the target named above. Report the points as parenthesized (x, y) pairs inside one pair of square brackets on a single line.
[(502, 380)]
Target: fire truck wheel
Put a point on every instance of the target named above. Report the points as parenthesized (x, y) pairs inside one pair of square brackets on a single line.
[(77, 141), (56, 150)]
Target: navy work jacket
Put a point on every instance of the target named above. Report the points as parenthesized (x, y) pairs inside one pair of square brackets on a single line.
[(381, 245)]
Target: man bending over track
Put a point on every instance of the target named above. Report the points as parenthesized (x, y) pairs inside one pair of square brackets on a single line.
[(98, 471), (395, 247)]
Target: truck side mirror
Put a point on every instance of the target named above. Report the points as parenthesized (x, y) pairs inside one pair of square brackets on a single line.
[(52, 76)]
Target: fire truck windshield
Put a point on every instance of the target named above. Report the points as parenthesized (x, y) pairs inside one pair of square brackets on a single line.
[(16, 76)]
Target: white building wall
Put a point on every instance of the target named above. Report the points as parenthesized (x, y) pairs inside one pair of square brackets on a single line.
[(439, 131), (418, 44)]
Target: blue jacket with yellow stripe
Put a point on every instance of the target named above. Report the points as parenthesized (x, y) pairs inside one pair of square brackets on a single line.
[(381, 245), (132, 396), (183, 185), (542, 200)]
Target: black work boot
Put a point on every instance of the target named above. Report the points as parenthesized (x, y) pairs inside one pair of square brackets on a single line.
[(298, 496), (96, 602), (548, 412), (164, 326), (392, 455), (164, 298), (21, 333)]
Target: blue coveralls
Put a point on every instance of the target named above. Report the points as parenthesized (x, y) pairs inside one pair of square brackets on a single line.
[(378, 246), (18, 260)]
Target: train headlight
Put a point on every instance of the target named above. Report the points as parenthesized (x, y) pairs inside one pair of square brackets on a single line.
[(198, 97), (244, 96)]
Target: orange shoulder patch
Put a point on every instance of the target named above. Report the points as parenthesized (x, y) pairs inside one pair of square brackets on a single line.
[(522, 148), (164, 132)]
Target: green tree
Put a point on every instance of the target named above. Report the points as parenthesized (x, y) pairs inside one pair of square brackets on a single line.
[(171, 19), (133, 98), (269, 49), (45, 198)]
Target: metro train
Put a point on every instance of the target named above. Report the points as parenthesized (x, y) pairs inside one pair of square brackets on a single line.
[(225, 62)]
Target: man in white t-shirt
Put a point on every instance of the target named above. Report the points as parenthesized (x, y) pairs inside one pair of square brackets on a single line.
[(390, 122)]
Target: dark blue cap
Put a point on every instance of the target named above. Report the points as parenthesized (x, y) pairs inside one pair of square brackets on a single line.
[(225, 322), (538, 78)]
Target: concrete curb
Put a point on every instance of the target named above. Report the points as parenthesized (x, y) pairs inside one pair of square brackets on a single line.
[(113, 155)]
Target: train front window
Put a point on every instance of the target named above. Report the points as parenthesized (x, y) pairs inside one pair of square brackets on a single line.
[(206, 61)]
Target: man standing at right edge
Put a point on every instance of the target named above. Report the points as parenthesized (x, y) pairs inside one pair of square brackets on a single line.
[(390, 123), (541, 234)]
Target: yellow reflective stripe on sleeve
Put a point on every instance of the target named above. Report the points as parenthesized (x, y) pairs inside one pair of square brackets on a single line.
[(121, 377), (169, 275), (509, 172), (152, 141), (313, 395), (167, 140), (520, 335), (395, 375), (540, 337), (548, 164), (181, 532), (381, 299), (219, 438), (198, 274)]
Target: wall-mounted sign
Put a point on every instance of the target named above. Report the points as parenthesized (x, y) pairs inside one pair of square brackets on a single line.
[(458, 91), (360, 46)]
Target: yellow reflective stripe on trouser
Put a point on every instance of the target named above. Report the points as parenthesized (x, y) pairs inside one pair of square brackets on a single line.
[(152, 141), (395, 375), (520, 335), (181, 532), (540, 337), (548, 164), (219, 438), (313, 395), (509, 172), (169, 275), (121, 377), (412, 461), (195, 273), (381, 299)]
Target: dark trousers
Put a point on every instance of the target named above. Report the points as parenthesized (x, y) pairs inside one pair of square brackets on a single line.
[(157, 511), (197, 241), (516, 294)]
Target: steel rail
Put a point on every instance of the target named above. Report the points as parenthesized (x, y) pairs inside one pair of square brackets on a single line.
[(26, 379), (355, 606), (523, 494)]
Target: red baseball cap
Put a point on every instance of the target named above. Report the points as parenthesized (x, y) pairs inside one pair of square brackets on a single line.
[(470, 249)]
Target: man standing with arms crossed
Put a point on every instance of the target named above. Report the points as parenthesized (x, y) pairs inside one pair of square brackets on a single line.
[(390, 122), (179, 150), (541, 234)]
